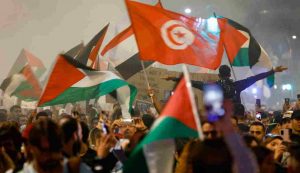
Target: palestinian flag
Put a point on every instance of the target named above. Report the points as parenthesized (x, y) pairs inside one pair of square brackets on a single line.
[(156, 150), (27, 58), (73, 52), (24, 85), (251, 58), (23, 78), (89, 53), (71, 81)]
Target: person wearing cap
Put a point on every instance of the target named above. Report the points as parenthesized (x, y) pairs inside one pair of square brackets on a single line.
[(232, 89), (295, 136)]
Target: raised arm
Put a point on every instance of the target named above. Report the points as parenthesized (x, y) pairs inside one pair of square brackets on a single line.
[(245, 83), (195, 84)]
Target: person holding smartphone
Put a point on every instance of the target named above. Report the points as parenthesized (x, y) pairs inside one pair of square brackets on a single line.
[(297, 106), (286, 106)]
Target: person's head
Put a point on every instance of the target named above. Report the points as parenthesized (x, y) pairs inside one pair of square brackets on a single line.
[(72, 135), (239, 110), (45, 143), (296, 121), (209, 130), (210, 156), (16, 111), (85, 132), (10, 139), (257, 129), (272, 142), (94, 136), (294, 159), (148, 120), (265, 159), (234, 121), (41, 115), (3, 116), (224, 72), (286, 123), (250, 140)]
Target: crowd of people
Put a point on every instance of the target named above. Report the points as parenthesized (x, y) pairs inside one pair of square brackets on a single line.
[(102, 141)]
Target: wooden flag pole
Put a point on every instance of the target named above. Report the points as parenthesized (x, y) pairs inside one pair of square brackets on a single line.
[(145, 74), (192, 99)]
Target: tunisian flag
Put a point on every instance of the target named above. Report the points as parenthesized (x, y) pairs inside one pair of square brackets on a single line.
[(172, 38)]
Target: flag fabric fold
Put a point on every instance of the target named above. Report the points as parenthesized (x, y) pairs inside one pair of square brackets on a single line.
[(70, 81), (172, 38), (23, 78), (249, 58), (176, 120), (89, 53)]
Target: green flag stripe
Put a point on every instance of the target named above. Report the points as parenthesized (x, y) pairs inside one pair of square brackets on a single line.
[(168, 128), (75, 94), (242, 58)]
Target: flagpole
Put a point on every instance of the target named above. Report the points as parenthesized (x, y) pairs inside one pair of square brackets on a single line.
[(192, 99), (145, 74), (234, 76)]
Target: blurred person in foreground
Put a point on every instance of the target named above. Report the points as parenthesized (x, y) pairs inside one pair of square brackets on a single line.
[(221, 155), (10, 144), (45, 145)]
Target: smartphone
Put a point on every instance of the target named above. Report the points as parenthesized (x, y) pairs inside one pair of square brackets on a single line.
[(127, 120), (258, 116), (258, 103), (285, 134), (105, 128), (213, 98), (298, 96), (287, 100)]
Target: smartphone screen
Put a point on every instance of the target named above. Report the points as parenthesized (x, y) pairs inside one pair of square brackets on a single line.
[(105, 128), (285, 134), (287, 100), (258, 102), (213, 101)]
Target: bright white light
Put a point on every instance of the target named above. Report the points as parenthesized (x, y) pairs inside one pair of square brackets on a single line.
[(286, 87), (254, 90), (294, 37), (275, 86), (212, 24), (187, 10)]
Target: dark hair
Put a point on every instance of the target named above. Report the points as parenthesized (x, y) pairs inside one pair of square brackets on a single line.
[(224, 71), (46, 130), (148, 120), (9, 130), (95, 134), (14, 107), (85, 132), (261, 153), (210, 156), (235, 118), (41, 114), (249, 139), (68, 126), (3, 116), (239, 110), (257, 123), (294, 150)]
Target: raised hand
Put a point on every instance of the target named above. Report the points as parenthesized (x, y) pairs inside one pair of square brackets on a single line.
[(280, 69)]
